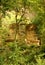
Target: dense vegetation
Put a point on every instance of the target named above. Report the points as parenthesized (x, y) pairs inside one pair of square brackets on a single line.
[(21, 12)]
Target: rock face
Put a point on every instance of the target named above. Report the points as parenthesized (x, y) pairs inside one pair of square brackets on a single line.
[(11, 33), (31, 36), (23, 32)]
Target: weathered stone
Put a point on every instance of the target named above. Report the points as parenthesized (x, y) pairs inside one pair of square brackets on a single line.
[(31, 36), (23, 32)]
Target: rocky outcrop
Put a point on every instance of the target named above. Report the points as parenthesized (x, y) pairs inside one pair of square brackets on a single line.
[(23, 32)]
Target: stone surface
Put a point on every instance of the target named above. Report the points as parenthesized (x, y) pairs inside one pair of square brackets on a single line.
[(22, 33)]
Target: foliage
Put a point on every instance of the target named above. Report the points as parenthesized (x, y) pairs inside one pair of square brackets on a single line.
[(16, 11), (16, 54)]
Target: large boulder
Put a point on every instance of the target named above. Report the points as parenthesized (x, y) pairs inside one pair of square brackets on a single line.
[(31, 35)]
